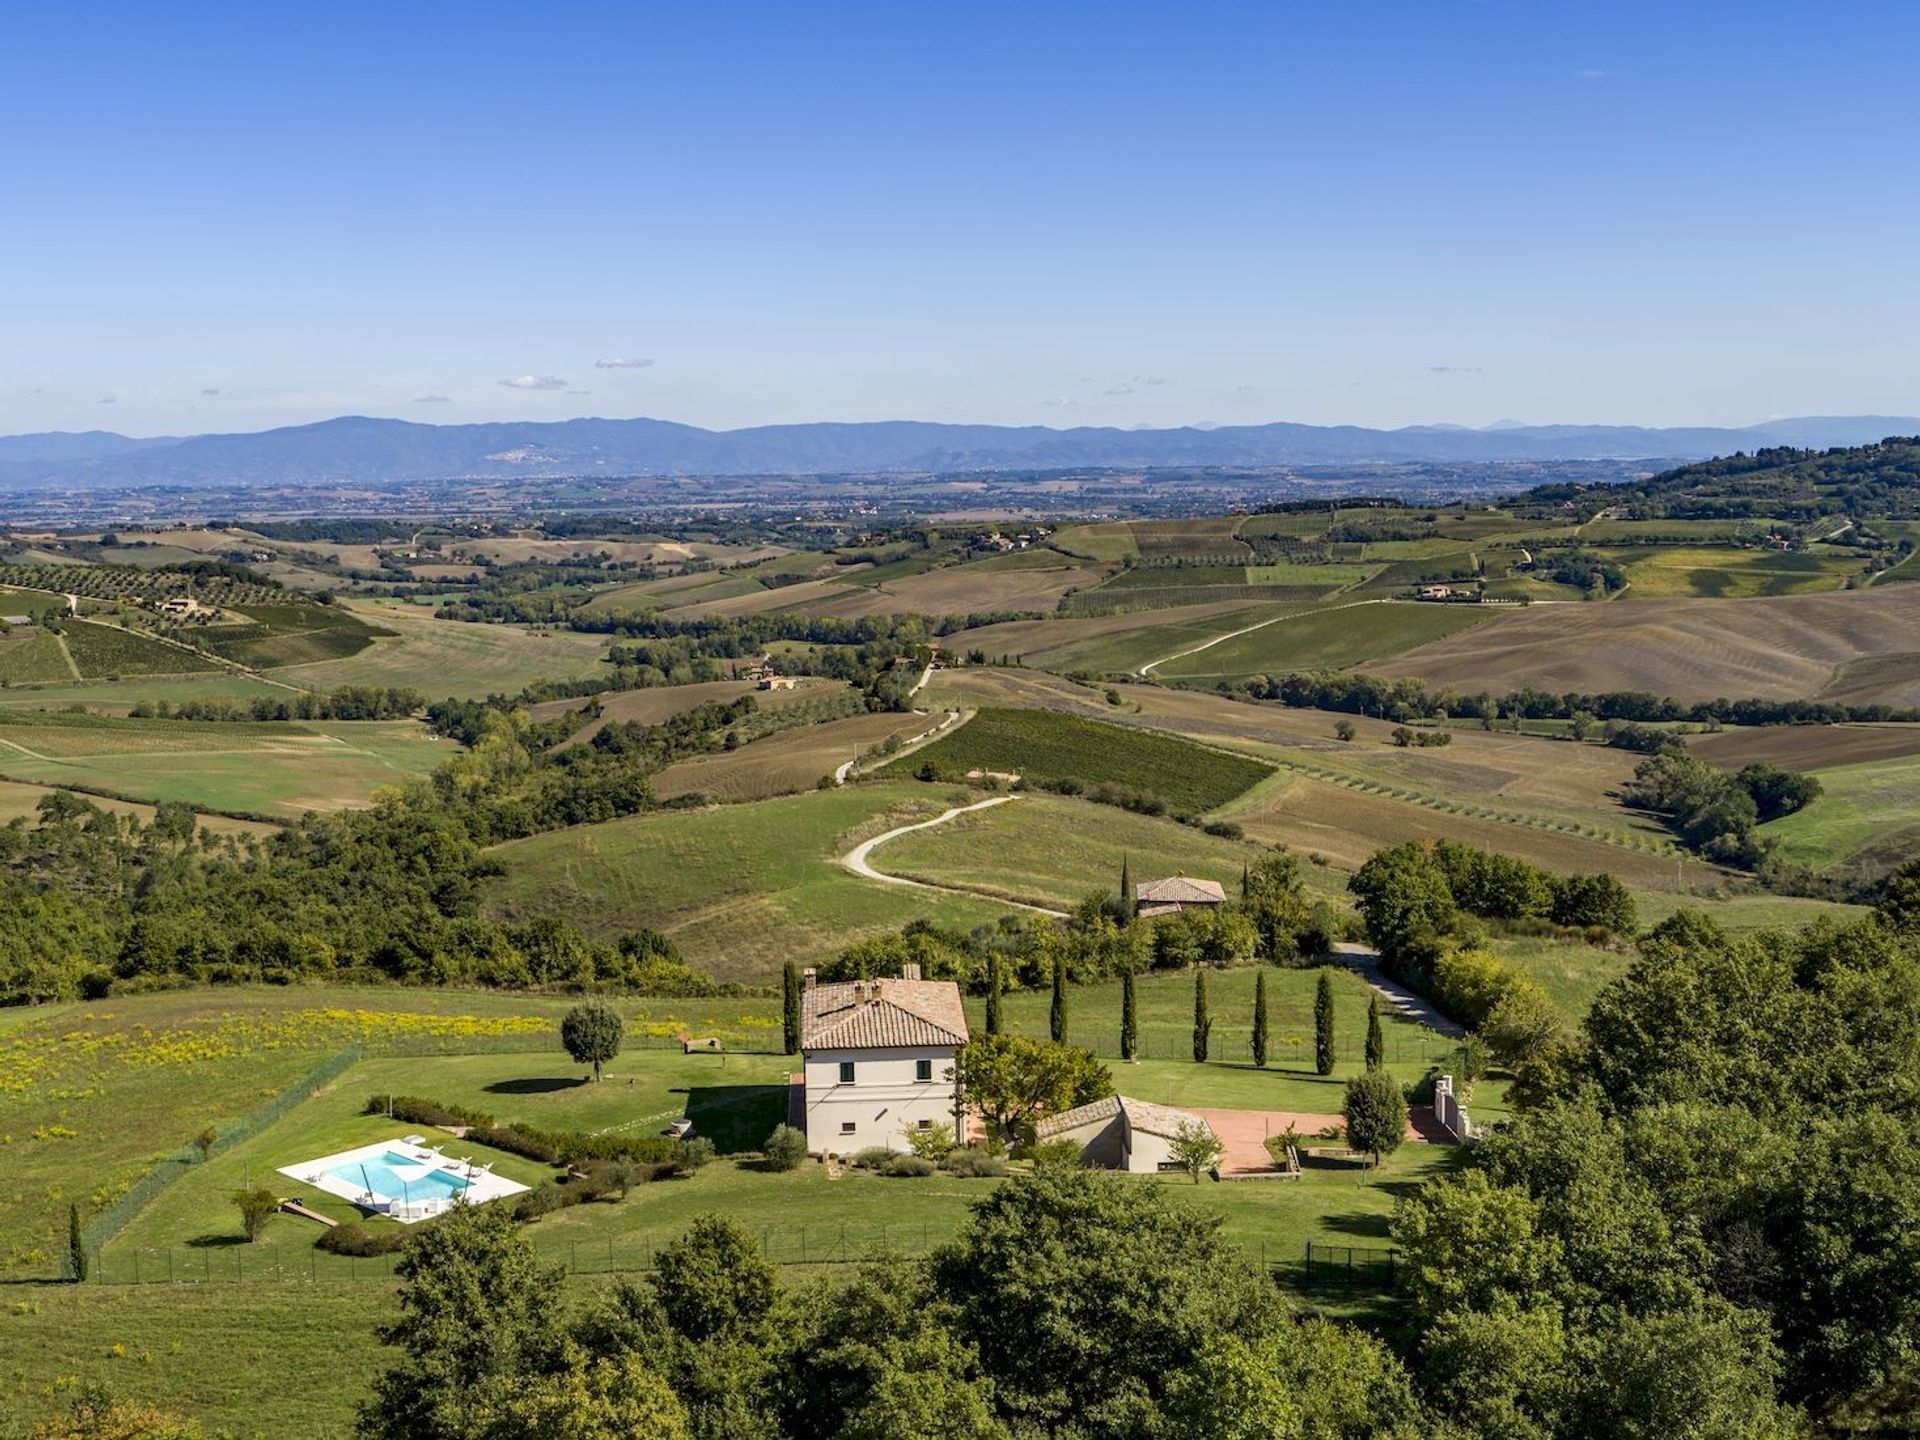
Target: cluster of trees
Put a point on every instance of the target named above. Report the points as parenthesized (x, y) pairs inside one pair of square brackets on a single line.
[(347, 702), (1070, 1303), (1859, 480), (1412, 898), (1706, 1215), (93, 900), (1713, 812), (1102, 937), (1408, 698), (1586, 570)]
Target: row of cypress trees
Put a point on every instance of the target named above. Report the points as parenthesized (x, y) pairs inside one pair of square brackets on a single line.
[(1323, 1039)]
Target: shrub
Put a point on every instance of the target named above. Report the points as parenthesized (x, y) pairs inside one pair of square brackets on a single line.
[(355, 1239), (255, 1206), (695, 1151), (1376, 1113), (591, 1032), (785, 1148), (871, 1158), (903, 1167), (933, 1142), (1056, 1152), (972, 1163)]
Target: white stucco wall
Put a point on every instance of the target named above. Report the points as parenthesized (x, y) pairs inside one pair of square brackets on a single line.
[(1147, 1152), (883, 1102)]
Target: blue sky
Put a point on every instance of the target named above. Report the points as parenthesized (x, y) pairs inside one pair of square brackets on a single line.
[(228, 217)]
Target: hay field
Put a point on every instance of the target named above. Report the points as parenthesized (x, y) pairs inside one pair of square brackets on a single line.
[(953, 590), (1346, 826), (785, 762), (452, 658), (1866, 819), (21, 801), (740, 888), (1806, 747), (1772, 648), (1732, 574)]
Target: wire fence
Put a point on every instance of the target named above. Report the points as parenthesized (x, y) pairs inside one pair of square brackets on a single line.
[(1233, 1043), (171, 1168), (1365, 1268), (810, 1245)]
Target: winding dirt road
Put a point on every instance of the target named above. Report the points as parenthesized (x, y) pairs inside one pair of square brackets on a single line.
[(856, 859)]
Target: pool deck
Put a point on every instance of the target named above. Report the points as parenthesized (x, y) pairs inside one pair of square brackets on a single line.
[(477, 1184)]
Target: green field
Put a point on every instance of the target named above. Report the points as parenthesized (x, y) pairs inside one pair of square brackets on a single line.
[(120, 694), (452, 658), (1044, 746), (278, 770), (1123, 653), (740, 888), (1867, 815), (1051, 851), (32, 655), (1731, 574), (1331, 639), (1293, 572), (286, 635), (101, 650)]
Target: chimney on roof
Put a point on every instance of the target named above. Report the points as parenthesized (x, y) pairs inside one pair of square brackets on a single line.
[(910, 970), (807, 977)]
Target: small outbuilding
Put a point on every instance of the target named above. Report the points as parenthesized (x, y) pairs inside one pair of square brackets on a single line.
[(1121, 1133), (1177, 892)]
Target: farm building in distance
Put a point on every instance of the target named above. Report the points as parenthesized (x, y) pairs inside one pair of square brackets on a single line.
[(1178, 892), (879, 1060), (1121, 1133)]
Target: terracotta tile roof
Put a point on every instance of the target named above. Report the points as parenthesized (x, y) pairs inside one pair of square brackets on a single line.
[(879, 1014), (1179, 890), (1103, 1109)]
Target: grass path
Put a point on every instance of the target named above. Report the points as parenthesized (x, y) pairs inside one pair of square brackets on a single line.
[(856, 858)]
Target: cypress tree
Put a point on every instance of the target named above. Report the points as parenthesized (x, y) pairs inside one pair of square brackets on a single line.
[(1376, 1041), (1323, 1025), (1126, 889), (790, 1001), (1057, 1019), (1202, 1021), (1260, 1019), (1129, 1018), (76, 1246), (993, 993), (1243, 883)]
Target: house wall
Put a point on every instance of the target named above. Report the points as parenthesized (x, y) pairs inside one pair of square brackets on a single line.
[(1145, 1154), (1102, 1142), (883, 1102)]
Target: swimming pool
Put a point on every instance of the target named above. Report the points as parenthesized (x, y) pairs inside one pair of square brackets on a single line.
[(394, 1176), (404, 1179)]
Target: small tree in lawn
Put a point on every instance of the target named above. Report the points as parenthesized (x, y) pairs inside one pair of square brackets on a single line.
[(1376, 1112), (1202, 1020), (592, 1031), (785, 1148), (1129, 1018), (205, 1141), (1196, 1149), (1376, 1041), (994, 986), (255, 1206), (77, 1260), (1057, 1016), (790, 1007), (1260, 1019), (1323, 1025), (1343, 730)]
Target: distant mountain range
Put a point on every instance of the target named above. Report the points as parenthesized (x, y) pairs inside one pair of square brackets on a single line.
[(360, 451)]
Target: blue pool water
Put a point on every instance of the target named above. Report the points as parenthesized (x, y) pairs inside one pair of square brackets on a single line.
[(383, 1176)]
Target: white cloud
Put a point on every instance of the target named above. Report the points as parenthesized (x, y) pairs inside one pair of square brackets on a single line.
[(210, 391), (1453, 369), (622, 362), (535, 382), (433, 399)]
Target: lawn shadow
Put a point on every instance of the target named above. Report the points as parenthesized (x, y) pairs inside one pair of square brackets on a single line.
[(736, 1117), (215, 1242), (1371, 1227), (536, 1085)]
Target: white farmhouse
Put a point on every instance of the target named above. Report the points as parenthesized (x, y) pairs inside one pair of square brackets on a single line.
[(879, 1060)]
